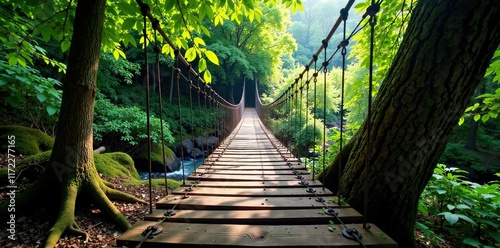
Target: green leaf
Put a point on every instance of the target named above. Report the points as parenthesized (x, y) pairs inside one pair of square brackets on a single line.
[(51, 110), (450, 207), (487, 196), (202, 65), (472, 242), (198, 41), (450, 217), (128, 23), (21, 61), (207, 76), (477, 117), (494, 235), (461, 121), (12, 61), (2, 83), (41, 97), (466, 218), (462, 206), (190, 54), (485, 118), (212, 57), (65, 45), (331, 229)]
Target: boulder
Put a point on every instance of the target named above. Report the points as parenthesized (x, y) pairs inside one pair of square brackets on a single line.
[(186, 146), (173, 164), (210, 141), (197, 153)]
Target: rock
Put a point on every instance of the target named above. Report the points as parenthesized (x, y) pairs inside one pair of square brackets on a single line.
[(197, 153), (186, 146), (173, 164), (210, 141), (28, 141)]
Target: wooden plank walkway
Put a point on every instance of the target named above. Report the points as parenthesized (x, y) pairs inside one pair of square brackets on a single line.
[(246, 194)]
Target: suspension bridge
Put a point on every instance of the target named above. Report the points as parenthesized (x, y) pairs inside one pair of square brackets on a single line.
[(251, 190)]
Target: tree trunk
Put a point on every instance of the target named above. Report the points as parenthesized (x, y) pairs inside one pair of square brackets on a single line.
[(71, 171), (474, 125), (445, 52)]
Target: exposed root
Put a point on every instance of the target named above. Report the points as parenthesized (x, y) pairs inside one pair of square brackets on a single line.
[(107, 207), (108, 184), (66, 218), (74, 229), (116, 195)]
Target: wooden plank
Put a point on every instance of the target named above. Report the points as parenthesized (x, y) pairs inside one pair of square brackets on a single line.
[(254, 172), (249, 163), (250, 167), (244, 203), (220, 177), (264, 192), (254, 184), (207, 235), (262, 217)]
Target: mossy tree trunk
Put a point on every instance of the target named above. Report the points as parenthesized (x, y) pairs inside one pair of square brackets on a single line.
[(71, 172), (443, 57)]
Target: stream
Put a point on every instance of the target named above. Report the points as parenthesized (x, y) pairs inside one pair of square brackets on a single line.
[(189, 167)]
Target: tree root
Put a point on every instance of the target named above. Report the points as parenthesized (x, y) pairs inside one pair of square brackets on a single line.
[(108, 184), (116, 195)]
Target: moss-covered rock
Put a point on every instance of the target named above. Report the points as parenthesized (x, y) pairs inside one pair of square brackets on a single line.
[(116, 164), (141, 159), (29, 141)]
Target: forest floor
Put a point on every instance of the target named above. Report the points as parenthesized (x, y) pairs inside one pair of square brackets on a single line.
[(31, 229)]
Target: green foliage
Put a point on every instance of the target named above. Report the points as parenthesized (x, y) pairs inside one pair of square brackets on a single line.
[(116, 164), (112, 73), (461, 208), (29, 141), (127, 124), (30, 93), (456, 155)]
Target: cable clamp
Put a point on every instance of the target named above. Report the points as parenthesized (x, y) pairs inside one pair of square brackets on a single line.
[(152, 231), (330, 211), (169, 213), (344, 13), (352, 233), (144, 8)]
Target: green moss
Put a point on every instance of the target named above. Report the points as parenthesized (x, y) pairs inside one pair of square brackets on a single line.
[(116, 164), (156, 154), (157, 183), (39, 158), (29, 141)]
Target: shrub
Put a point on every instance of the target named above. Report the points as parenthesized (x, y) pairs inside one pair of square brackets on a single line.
[(127, 124), (461, 208)]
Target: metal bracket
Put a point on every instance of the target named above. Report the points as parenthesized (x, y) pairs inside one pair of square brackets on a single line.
[(352, 233)]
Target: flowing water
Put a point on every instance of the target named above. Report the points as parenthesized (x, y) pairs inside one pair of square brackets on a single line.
[(188, 164)]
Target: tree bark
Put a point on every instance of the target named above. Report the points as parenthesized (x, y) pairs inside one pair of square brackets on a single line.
[(443, 57)]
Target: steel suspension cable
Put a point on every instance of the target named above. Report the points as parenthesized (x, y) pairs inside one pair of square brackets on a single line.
[(325, 65), (315, 76), (156, 25), (145, 12), (191, 114), (372, 12), (306, 115), (342, 45), (178, 77)]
